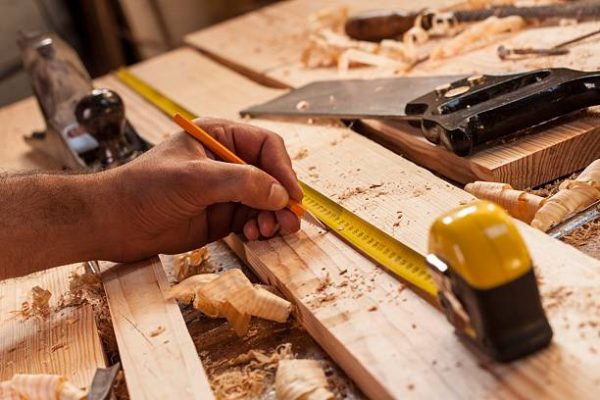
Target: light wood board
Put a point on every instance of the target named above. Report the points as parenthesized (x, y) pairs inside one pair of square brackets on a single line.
[(267, 45), (66, 343), (390, 341), (157, 352)]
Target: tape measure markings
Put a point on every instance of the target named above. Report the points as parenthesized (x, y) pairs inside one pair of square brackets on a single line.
[(363, 236)]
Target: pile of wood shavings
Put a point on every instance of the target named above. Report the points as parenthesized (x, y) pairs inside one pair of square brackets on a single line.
[(248, 375), (329, 46)]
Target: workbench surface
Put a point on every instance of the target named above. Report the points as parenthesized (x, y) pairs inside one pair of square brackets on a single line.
[(214, 343)]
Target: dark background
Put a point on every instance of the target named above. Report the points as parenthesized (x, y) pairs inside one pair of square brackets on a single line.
[(106, 33)]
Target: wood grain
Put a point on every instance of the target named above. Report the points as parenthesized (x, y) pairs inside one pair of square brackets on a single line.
[(156, 350), (270, 52), (385, 337), (66, 343)]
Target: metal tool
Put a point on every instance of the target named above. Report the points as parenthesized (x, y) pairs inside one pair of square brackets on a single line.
[(460, 115), (388, 24), (103, 381), (570, 225), (507, 53), (476, 287), (487, 286), (85, 127)]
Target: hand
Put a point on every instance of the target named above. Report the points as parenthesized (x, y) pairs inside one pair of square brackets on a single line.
[(177, 197)]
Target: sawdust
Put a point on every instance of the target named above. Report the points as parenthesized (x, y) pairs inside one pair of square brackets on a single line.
[(157, 331), (302, 105), (583, 234), (300, 154), (38, 306), (249, 374)]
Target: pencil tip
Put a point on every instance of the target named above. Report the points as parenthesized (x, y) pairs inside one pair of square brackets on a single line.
[(311, 219)]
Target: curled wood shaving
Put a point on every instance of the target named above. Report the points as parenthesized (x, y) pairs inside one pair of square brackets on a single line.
[(190, 263), (519, 204), (301, 379), (185, 290), (478, 35), (572, 197), (232, 296), (40, 387)]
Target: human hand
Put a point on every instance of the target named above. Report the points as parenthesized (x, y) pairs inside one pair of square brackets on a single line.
[(177, 197)]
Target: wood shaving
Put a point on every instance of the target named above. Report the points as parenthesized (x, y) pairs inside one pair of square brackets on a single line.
[(38, 306), (40, 387), (301, 380), (190, 263), (232, 296), (572, 197), (300, 154), (520, 204), (157, 331), (477, 36)]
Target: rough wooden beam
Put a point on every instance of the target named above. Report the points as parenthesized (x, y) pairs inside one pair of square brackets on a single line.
[(157, 352)]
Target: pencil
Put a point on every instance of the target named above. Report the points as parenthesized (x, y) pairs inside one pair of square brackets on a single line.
[(227, 155)]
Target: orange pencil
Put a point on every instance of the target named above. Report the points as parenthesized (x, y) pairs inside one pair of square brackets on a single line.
[(227, 155)]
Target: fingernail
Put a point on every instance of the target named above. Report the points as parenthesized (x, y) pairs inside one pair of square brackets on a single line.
[(278, 196)]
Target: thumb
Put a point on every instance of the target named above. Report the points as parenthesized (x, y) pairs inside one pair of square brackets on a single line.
[(224, 182)]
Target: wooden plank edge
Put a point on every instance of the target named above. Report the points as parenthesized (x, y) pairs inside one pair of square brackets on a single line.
[(157, 352)]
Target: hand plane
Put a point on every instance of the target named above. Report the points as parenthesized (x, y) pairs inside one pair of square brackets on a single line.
[(85, 127), (461, 113)]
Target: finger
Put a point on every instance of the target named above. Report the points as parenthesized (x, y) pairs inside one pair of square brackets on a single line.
[(220, 182), (259, 147), (288, 221), (267, 223), (251, 230)]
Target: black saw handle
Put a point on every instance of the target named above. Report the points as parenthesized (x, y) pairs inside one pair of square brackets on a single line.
[(475, 110)]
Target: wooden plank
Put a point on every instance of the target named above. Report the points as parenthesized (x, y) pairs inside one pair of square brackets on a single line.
[(157, 352), (386, 338), (525, 162), (66, 343)]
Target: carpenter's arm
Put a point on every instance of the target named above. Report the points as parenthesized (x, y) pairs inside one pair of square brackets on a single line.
[(174, 198)]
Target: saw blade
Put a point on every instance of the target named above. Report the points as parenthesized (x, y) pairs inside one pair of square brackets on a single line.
[(384, 98)]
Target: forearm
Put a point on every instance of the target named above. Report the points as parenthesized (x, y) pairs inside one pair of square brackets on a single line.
[(48, 220)]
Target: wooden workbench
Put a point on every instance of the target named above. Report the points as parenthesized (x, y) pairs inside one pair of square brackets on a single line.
[(391, 342)]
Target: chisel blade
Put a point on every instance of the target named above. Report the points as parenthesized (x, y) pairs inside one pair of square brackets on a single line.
[(384, 98)]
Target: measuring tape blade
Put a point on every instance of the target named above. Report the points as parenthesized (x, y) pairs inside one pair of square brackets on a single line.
[(364, 237)]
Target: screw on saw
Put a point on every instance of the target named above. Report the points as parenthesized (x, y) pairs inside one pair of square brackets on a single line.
[(506, 53)]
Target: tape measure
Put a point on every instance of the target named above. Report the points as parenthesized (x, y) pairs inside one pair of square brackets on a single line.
[(363, 236)]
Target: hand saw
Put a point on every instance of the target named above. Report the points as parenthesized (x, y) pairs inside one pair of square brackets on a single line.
[(458, 112)]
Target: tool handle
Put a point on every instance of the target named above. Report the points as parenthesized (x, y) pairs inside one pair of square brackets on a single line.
[(374, 26), (223, 152)]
